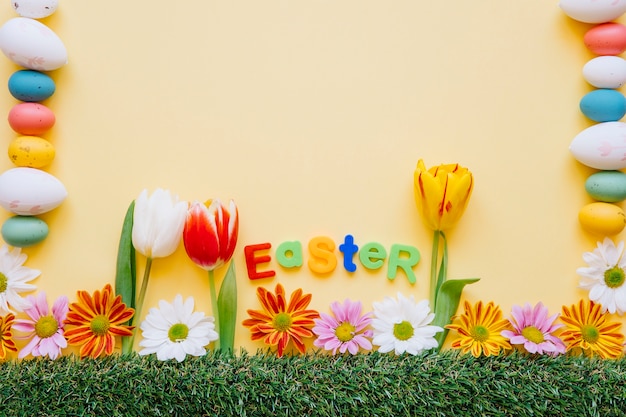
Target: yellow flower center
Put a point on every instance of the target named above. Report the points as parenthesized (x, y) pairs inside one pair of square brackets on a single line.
[(614, 277), (345, 332), (590, 333), (100, 325), (479, 333), (533, 334), (4, 282), (403, 330), (46, 326), (282, 322), (178, 332)]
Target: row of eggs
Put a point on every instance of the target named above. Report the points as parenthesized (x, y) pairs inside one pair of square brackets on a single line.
[(606, 72), (602, 146), (31, 119), (603, 217), (27, 191)]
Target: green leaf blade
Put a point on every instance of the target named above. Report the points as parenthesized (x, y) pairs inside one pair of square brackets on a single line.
[(126, 273), (448, 300), (227, 308)]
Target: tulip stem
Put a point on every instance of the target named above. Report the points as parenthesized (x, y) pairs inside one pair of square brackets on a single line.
[(142, 295), (216, 313), (434, 260), (438, 273)]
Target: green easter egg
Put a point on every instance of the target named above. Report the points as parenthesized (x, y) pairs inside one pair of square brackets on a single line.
[(607, 186), (24, 231)]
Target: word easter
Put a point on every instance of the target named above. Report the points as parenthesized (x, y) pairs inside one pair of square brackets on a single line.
[(323, 257)]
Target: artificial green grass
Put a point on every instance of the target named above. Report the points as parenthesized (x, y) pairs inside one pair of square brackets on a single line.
[(432, 384)]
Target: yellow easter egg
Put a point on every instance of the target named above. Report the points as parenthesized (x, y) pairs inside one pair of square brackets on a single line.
[(603, 219), (31, 151)]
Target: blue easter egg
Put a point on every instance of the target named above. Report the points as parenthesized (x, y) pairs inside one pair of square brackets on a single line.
[(603, 105), (607, 186), (24, 231), (31, 85)]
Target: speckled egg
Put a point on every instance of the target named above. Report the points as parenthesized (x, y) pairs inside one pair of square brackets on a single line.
[(605, 71), (607, 186), (35, 9), (602, 219), (24, 231), (606, 39), (31, 119), (31, 151), (603, 105), (30, 85)]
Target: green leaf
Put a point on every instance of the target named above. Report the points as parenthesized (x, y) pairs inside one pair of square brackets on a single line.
[(448, 299), (125, 273), (227, 307)]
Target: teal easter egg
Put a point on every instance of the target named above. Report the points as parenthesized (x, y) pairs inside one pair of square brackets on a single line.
[(607, 186), (24, 231), (603, 105), (31, 86)]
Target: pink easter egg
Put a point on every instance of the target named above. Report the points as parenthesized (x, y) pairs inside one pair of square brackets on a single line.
[(606, 39), (31, 119)]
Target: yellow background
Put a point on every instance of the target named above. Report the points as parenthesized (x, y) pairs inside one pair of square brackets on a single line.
[(312, 115)]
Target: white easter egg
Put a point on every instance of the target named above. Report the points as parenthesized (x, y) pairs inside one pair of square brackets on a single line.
[(605, 72), (601, 146), (593, 11), (30, 191), (31, 44), (36, 9)]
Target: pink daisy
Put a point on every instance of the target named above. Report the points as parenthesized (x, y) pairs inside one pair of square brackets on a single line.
[(346, 330), (45, 329), (533, 328)]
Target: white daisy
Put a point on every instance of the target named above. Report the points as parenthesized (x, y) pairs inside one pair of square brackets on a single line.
[(13, 280), (605, 275), (403, 325), (174, 331)]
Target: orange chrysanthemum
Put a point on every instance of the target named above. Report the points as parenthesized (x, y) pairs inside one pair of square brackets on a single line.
[(589, 330), (6, 335), (282, 321), (479, 330), (98, 319)]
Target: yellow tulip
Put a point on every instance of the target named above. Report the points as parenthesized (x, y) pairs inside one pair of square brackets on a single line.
[(442, 193)]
